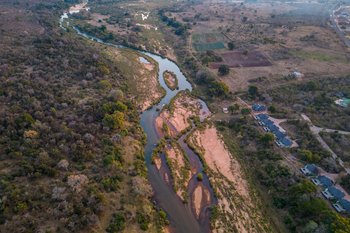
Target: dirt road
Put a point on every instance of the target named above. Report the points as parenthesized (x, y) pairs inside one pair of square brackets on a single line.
[(316, 132)]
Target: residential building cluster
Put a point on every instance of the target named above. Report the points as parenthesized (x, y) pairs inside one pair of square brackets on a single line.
[(332, 193)]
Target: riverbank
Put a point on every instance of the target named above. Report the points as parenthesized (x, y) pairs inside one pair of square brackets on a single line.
[(144, 79), (236, 210)]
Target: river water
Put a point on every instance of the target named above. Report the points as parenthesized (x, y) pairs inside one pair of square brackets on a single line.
[(181, 216)]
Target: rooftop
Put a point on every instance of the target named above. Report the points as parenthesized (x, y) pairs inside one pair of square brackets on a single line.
[(337, 193), (325, 181), (273, 128), (279, 135), (286, 142), (262, 116), (312, 168), (345, 204), (267, 122), (259, 107)]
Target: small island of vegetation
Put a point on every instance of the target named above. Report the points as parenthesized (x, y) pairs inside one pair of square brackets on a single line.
[(170, 80)]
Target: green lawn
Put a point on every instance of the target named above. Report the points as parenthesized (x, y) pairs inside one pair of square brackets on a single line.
[(209, 46)]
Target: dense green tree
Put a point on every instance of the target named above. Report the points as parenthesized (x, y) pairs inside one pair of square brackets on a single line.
[(117, 223), (103, 28), (267, 138), (303, 187), (253, 91), (246, 111), (233, 108), (111, 107), (231, 45), (114, 121), (312, 208), (143, 220), (308, 156), (272, 109), (113, 157), (223, 70), (340, 224), (218, 89), (310, 227), (310, 86)]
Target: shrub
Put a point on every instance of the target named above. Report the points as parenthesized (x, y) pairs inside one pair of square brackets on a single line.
[(233, 108), (163, 219), (272, 109), (105, 85), (200, 176), (245, 111), (308, 156), (117, 223), (218, 89), (143, 221), (113, 157), (267, 138)]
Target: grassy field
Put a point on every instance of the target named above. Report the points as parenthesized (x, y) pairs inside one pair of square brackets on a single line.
[(318, 56), (208, 41), (209, 46)]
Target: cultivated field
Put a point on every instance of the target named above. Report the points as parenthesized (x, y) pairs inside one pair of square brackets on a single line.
[(208, 41), (239, 59)]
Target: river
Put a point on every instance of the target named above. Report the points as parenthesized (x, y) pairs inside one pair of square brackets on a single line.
[(180, 215)]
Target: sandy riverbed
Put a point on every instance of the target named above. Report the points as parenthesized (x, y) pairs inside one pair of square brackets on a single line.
[(157, 162), (201, 196), (177, 118), (180, 169), (238, 211), (219, 159)]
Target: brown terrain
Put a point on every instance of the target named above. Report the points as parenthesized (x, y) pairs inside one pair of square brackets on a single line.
[(219, 159), (133, 27), (144, 79), (180, 169), (270, 40), (239, 59), (201, 196), (177, 115), (227, 178), (98, 20)]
